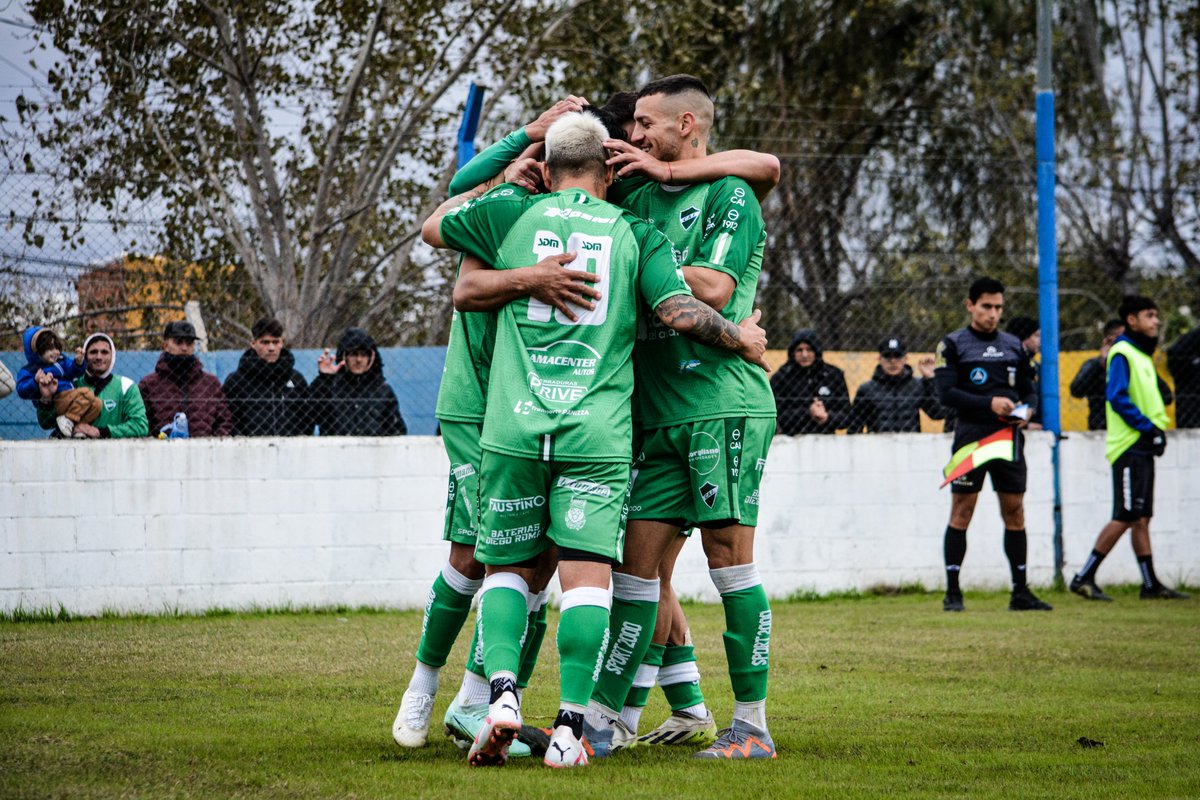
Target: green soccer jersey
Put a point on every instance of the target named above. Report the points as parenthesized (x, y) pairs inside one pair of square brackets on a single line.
[(560, 390), (462, 392), (718, 225)]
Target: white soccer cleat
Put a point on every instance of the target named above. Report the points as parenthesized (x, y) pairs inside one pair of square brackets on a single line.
[(411, 728), (565, 750), (606, 734), (680, 728), (500, 727), (66, 426)]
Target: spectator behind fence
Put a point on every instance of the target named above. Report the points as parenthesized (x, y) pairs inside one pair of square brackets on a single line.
[(266, 395), (1029, 331), (1183, 360), (810, 395), (8, 384), (180, 384), (350, 396), (892, 400), (1089, 381), (47, 379), (122, 412)]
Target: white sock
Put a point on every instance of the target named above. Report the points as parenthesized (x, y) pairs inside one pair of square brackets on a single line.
[(699, 711), (424, 679), (631, 716), (754, 713), (474, 691)]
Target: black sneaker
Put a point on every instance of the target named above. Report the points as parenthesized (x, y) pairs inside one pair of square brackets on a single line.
[(1162, 592), (953, 602), (1024, 600), (1088, 590)]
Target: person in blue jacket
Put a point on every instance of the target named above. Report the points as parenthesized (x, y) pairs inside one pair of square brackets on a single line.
[(48, 366)]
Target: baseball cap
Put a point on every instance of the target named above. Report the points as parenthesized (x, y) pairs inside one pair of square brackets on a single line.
[(180, 329), (893, 346)]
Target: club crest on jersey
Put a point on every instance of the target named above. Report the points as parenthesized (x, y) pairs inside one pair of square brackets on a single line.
[(708, 493), (688, 217), (978, 376)]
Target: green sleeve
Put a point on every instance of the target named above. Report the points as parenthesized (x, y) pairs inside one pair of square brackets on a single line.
[(621, 188), (133, 416), (733, 228), (659, 277), (479, 226), (489, 163)]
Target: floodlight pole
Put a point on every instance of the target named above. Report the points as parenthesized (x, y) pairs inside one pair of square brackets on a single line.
[(469, 125), (1048, 267)]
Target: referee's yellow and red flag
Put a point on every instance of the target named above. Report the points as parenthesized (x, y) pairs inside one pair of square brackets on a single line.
[(997, 446)]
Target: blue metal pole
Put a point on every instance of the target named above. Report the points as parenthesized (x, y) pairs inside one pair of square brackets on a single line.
[(469, 125), (1048, 268)]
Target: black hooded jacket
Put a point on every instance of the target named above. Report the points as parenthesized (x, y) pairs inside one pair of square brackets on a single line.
[(893, 403), (268, 399), (796, 387), (343, 404)]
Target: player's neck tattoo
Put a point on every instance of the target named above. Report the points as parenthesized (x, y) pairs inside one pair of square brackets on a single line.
[(695, 142)]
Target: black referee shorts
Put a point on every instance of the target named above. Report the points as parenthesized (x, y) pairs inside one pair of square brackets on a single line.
[(1008, 477), (1133, 486)]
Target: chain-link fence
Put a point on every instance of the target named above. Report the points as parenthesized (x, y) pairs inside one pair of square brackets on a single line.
[(839, 260)]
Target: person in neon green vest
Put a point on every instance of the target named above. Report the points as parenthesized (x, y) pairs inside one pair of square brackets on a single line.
[(1137, 423)]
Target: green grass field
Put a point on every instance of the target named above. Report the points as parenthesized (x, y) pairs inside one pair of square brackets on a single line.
[(869, 697)]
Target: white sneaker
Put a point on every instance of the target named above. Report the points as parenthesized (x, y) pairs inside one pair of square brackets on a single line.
[(607, 734), (565, 750), (66, 426), (411, 727), (500, 727), (681, 728)]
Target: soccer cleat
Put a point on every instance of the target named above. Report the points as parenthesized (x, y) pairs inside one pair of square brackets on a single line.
[(1024, 600), (1088, 590), (680, 728), (740, 740), (564, 750), (411, 727), (65, 426), (462, 724), (1161, 592), (953, 602), (499, 728), (610, 736)]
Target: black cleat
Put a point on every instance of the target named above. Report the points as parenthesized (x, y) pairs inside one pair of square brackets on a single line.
[(1024, 600), (1162, 592), (953, 602), (1089, 590)]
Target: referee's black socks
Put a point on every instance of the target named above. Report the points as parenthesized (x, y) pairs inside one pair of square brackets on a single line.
[(1146, 567), (955, 550), (1087, 573), (1016, 547)]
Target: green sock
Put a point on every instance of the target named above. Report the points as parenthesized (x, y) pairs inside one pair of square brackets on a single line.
[(475, 654), (679, 677), (535, 632), (630, 628), (503, 614), (747, 630), (446, 611), (582, 635), (639, 693)]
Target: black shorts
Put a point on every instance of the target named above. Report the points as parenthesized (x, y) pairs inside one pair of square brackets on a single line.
[(1133, 486), (1007, 476)]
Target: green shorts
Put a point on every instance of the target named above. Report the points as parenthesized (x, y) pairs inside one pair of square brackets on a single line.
[(461, 440), (526, 505), (699, 472)]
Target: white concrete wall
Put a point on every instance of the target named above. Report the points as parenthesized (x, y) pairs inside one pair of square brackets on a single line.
[(189, 525)]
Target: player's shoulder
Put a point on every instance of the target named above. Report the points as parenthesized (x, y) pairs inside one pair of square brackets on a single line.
[(732, 189), (505, 193), (1009, 341)]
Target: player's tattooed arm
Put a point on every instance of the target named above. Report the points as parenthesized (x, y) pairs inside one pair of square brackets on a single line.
[(431, 230), (690, 317)]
